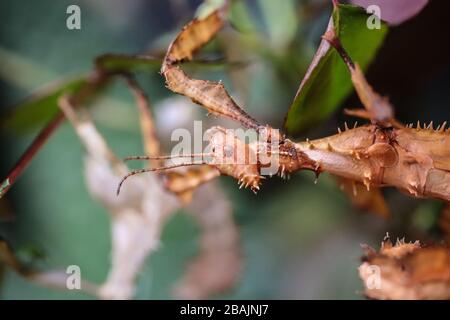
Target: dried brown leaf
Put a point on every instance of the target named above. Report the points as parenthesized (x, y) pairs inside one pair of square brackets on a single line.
[(184, 182), (193, 36)]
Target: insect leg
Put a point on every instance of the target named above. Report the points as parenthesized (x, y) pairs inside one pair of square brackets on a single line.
[(135, 172), (149, 136)]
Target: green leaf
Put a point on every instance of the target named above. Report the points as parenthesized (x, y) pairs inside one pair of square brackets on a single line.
[(40, 107), (327, 82)]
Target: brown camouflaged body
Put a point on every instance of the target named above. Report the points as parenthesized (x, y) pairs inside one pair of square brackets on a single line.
[(416, 161)]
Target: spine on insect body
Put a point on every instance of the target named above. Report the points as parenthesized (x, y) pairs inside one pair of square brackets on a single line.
[(415, 160)]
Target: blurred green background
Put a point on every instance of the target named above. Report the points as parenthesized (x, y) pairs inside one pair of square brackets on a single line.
[(301, 240)]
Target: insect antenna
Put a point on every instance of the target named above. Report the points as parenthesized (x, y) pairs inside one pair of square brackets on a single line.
[(192, 155), (139, 171), (270, 152)]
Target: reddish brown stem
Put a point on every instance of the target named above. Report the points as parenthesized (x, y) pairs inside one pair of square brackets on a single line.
[(95, 82), (29, 154)]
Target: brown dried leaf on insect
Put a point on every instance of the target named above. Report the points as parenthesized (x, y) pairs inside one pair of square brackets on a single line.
[(55, 279), (406, 270), (183, 183)]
